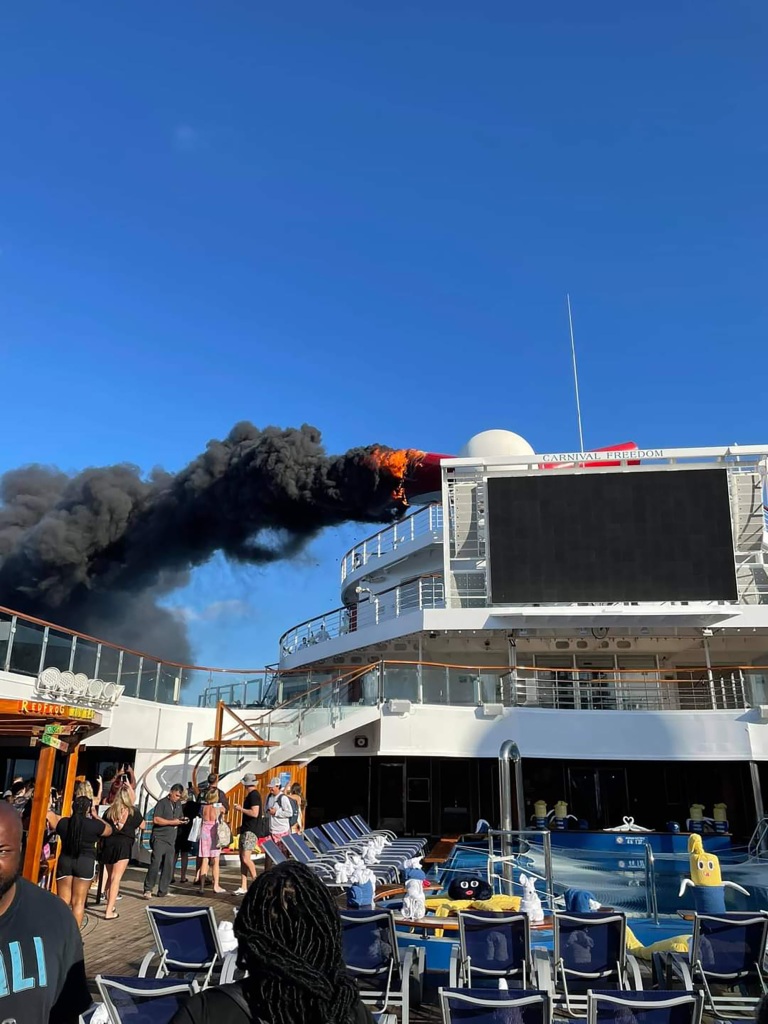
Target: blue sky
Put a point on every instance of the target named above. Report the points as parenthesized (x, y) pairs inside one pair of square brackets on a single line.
[(366, 216)]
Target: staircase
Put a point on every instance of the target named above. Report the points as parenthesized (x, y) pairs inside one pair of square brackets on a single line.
[(297, 730)]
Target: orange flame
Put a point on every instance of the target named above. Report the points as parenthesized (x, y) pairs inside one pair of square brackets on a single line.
[(398, 463)]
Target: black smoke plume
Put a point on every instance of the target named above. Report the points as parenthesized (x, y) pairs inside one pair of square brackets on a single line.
[(95, 551)]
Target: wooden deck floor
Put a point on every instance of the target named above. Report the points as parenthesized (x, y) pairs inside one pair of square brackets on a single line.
[(118, 947)]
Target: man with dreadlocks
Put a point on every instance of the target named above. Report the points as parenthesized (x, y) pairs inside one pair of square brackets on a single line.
[(289, 943)]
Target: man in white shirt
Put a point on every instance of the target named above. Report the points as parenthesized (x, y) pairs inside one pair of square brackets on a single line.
[(279, 809)]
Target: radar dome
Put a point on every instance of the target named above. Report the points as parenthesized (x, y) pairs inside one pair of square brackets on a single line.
[(495, 442)]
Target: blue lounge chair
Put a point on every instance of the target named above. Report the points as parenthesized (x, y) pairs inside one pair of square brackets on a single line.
[(489, 1006), (386, 975), (389, 855), (186, 943), (366, 830), (273, 852), (357, 831), (142, 1000), (727, 950), (590, 951), (300, 850), (492, 945), (657, 1007)]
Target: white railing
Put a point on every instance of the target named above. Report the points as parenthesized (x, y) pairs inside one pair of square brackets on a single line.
[(426, 520), (630, 691), (415, 595)]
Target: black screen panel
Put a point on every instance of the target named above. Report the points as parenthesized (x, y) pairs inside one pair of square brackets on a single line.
[(642, 536)]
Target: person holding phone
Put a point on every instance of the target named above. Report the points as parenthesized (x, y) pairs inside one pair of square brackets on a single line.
[(168, 817)]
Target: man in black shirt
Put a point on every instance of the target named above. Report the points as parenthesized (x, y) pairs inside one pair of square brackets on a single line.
[(251, 830), (167, 818), (42, 978)]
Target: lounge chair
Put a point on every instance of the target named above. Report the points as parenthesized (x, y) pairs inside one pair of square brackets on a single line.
[(489, 1006), (300, 850), (357, 830), (492, 945), (186, 943), (657, 1007), (142, 1000), (386, 975), (590, 951), (726, 951)]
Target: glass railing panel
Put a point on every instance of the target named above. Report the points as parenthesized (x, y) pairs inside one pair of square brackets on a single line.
[(5, 637), (148, 680), (463, 686), (109, 664), (58, 650), (170, 683), (27, 648), (401, 682), (434, 684), (129, 677), (85, 657)]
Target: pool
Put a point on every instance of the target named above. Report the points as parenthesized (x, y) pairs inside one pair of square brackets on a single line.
[(617, 876)]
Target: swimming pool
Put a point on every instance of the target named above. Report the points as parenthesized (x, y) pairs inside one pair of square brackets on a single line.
[(618, 878)]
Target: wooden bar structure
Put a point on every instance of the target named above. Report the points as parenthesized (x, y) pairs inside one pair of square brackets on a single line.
[(57, 730)]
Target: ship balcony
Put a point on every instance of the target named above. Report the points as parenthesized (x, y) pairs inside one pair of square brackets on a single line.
[(492, 690), (398, 541)]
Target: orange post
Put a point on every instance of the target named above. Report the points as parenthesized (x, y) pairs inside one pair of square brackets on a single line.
[(40, 804)]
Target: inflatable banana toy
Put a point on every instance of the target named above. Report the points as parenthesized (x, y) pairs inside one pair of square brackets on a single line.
[(708, 885)]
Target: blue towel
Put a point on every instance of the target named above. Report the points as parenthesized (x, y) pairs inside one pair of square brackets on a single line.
[(414, 873), (709, 899), (577, 900), (360, 897)]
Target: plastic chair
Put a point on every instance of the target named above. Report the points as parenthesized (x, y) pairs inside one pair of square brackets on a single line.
[(492, 945), (489, 1006), (186, 941), (387, 976), (590, 951), (657, 1007), (142, 1000), (726, 950)]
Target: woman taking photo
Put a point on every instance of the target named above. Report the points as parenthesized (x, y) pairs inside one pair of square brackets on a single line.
[(124, 820), (209, 842), (77, 860)]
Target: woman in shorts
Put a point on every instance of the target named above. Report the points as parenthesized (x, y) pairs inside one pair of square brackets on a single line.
[(77, 861)]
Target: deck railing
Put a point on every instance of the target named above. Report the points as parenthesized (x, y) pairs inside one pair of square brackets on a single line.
[(29, 645), (426, 520), (727, 689), (627, 691), (374, 608)]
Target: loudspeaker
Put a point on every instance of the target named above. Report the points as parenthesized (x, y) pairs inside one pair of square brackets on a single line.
[(361, 741), (399, 707)]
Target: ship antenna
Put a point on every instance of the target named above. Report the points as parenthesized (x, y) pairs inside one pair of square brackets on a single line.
[(575, 373)]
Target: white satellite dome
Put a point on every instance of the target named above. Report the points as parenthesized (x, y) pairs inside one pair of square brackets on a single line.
[(495, 442)]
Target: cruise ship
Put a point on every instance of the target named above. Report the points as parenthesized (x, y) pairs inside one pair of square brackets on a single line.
[(606, 611)]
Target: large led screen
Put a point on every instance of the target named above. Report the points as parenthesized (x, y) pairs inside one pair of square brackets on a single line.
[(636, 536)]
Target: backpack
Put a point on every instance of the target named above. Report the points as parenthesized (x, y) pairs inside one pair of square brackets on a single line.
[(294, 819), (223, 835)]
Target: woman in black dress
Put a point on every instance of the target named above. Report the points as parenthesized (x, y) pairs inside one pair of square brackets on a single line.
[(77, 861), (125, 821)]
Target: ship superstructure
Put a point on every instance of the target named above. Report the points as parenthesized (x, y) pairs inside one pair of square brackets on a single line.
[(607, 611)]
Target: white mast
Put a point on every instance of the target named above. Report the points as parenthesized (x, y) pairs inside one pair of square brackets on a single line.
[(575, 373)]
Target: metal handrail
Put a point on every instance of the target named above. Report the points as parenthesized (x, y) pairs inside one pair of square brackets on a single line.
[(530, 836), (759, 839), (424, 521), (651, 896)]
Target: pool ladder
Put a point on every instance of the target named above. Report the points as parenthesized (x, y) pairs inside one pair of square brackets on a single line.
[(651, 897)]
